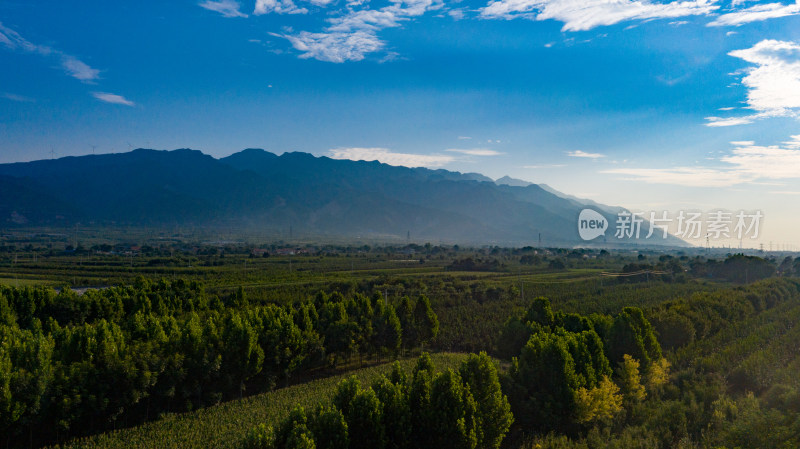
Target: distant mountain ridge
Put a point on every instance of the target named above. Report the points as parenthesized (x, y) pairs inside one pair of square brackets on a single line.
[(256, 189)]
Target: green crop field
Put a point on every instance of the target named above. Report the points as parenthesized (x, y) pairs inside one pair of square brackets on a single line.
[(176, 343), (225, 425)]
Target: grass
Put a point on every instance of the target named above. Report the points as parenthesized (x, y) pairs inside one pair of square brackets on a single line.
[(22, 282), (225, 425)]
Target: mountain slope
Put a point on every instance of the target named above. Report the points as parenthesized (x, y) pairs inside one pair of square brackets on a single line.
[(315, 195)]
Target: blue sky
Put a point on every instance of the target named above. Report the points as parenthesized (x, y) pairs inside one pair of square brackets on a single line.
[(651, 105)]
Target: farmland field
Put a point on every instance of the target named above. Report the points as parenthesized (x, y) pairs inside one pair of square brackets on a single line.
[(191, 345)]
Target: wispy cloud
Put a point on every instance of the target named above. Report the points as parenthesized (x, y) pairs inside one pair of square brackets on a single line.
[(278, 7), (772, 162), (17, 98), (335, 47), (746, 163), (731, 121), (228, 8), (78, 69), (584, 154), (71, 65), (793, 143), (113, 98), (683, 176), (392, 158), (353, 35), (544, 166), (773, 85), (588, 14), (476, 152), (756, 13)]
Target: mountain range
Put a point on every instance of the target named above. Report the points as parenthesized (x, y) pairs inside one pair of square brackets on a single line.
[(315, 196)]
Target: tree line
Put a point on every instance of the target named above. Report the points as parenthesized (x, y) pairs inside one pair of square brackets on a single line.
[(72, 365), (568, 373), (425, 410)]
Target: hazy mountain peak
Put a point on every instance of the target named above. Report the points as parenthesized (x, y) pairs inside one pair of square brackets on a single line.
[(509, 181)]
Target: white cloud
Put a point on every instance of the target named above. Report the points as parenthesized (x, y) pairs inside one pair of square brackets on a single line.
[(78, 69), (756, 13), (684, 176), (746, 163), (228, 8), (456, 14), (350, 37), (742, 143), (784, 192), (366, 19), (584, 154), (72, 66), (476, 152), (794, 142), (13, 41), (773, 85), (277, 6), (765, 162), (335, 47), (732, 121), (581, 15), (389, 157), (112, 98)]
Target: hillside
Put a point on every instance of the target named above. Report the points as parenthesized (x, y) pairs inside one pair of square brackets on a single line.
[(319, 196)]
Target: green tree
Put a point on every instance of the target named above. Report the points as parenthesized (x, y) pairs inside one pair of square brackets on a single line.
[(427, 324), (632, 334), (301, 438), (329, 428), (365, 421), (395, 412), (493, 410), (540, 312), (242, 357), (514, 335), (419, 400), (291, 431), (545, 373), (405, 314), (387, 334), (346, 391), (453, 413)]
